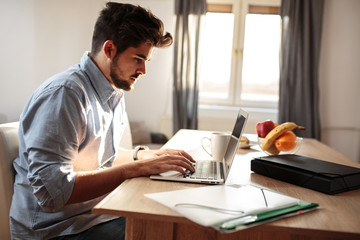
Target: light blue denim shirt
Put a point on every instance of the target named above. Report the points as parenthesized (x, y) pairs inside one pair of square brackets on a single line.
[(73, 122)]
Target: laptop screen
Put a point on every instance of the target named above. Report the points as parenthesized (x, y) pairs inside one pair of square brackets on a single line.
[(235, 139)]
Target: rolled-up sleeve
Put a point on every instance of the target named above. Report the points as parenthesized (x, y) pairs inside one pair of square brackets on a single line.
[(52, 185), (53, 130)]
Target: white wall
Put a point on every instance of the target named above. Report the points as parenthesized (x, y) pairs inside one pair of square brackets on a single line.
[(16, 63), (340, 77), (42, 37), (38, 39), (152, 95)]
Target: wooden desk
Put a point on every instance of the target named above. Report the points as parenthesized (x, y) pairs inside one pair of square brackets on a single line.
[(337, 218)]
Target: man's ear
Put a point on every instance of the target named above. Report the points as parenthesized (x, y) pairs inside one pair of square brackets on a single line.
[(109, 49)]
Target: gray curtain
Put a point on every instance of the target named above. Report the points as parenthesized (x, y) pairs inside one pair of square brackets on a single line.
[(300, 51), (189, 19)]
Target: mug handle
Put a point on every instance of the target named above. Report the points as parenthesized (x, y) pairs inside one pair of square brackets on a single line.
[(202, 144)]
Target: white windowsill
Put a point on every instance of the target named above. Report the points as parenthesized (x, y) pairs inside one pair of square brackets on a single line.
[(256, 114)]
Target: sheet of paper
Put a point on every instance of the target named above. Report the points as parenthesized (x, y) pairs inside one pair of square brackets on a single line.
[(214, 204)]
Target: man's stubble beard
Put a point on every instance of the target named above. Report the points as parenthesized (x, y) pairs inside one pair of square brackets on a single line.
[(117, 81)]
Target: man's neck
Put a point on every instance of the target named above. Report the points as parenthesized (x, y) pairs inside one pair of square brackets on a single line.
[(100, 62)]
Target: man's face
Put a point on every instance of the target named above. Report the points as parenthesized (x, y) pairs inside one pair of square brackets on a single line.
[(127, 66)]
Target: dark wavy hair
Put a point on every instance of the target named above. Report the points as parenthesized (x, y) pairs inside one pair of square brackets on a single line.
[(128, 26)]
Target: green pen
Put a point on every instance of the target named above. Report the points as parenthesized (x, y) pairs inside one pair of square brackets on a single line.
[(302, 207), (238, 222)]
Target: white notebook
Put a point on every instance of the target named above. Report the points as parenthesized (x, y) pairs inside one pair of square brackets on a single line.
[(211, 205)]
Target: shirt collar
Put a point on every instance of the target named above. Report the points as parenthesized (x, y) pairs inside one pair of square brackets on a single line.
[(101, 84)]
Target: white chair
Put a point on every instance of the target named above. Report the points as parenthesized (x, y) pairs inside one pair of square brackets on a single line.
[(9, 150)]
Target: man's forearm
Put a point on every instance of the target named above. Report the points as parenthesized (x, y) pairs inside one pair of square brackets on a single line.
[(93, 184)]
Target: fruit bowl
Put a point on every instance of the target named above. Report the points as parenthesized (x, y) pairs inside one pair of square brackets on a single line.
[(288, 147)]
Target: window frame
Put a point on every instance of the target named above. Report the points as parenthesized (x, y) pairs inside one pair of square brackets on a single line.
[(240, 8)]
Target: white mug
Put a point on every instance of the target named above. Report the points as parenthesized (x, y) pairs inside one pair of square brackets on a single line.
[(218, 143)]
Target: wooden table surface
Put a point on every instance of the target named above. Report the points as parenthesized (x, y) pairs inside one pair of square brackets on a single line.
[(337, 218)]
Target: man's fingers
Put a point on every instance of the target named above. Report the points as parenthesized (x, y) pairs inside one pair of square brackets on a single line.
[(188, 156), (176, 161), (170, 152), (170, 160)]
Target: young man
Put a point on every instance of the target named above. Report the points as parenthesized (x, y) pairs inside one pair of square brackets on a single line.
[(70, 131)]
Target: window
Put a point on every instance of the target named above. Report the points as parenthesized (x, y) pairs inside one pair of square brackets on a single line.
[(216, 57), (240, 54)]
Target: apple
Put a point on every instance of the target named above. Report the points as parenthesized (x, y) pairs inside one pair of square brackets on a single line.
[(263, 128)]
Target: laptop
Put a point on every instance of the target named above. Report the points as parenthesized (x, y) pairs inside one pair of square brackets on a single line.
[(210, 171)]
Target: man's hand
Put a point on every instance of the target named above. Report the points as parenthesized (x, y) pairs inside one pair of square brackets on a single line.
[(92, 184), (163, 160)]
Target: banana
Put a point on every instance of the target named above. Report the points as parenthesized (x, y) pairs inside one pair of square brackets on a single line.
[(273, 150), (277, 132)]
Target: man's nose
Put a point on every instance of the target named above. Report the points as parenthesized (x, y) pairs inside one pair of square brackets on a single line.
[(141, 70)]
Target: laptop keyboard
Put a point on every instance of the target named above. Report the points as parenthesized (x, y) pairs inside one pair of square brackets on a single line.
[(204, 170)]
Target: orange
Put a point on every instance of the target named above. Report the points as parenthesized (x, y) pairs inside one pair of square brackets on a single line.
[(286, 141)]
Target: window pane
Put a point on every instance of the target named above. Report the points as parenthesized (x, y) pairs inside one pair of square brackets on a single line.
[(216, 57), (260, 72)]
